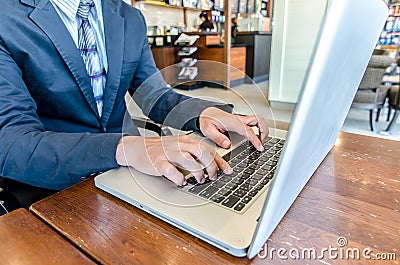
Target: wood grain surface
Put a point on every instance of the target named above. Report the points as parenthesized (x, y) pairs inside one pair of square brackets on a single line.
[(24, 239), (351, 204)]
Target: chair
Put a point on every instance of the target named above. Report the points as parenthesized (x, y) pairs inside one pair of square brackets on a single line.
[(394, 104), (15, 194), (371, 94), (148, 124)]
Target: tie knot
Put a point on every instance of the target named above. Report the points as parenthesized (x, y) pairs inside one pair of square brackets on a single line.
[(84, 8)]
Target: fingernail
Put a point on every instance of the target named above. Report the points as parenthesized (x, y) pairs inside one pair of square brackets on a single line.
[(202, 180), (184, 183), (261, 147), (225, 143), (214, 177), (228, 170)]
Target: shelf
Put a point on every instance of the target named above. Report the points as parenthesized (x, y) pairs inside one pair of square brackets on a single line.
[(388, 47), (218, 9), (187, 51), (392, 31), (159, 3), (194, 9), (390, 34)]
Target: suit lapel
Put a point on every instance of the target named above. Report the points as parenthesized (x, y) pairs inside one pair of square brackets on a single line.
[(114, 38), (46, 17)]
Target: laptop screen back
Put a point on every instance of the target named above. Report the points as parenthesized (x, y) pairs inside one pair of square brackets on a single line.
[(347, 37)]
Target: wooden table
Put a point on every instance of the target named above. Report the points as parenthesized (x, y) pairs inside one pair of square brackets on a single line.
[(24, 239), (354, 195)]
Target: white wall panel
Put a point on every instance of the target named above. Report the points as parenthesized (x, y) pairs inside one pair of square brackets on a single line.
[(296, 26)]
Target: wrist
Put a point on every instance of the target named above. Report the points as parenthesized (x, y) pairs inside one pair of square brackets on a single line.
[(122, 148), (119, 153), (207, 113)]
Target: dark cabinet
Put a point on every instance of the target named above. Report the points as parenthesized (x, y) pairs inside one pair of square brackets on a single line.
[(257, 53)]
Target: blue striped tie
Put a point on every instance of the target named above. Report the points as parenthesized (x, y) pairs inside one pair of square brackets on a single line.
[(88, 49)]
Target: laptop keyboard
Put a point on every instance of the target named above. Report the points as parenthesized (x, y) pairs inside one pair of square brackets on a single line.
[(252, 171)]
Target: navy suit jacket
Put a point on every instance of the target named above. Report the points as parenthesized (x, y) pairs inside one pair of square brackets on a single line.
[(50, 133)]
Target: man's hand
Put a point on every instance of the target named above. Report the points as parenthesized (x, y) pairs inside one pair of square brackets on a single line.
[(214, 122), (162, 156)]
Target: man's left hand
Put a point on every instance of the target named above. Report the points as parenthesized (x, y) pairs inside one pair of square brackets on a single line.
[(215, 122)]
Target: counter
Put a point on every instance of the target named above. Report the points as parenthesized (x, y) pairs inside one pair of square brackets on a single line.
[(257, 53), (250, 54), (211, 49)]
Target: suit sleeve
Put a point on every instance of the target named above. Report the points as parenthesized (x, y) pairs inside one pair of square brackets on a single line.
[(29, 153), (159, 101)]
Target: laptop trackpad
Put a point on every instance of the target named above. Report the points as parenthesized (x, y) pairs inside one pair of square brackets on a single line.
[(164, 190)]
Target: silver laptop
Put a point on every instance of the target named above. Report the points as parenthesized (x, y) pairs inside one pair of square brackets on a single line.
[(242, 221)]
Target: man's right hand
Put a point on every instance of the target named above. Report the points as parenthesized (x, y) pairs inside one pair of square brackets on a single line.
[(162, 156)]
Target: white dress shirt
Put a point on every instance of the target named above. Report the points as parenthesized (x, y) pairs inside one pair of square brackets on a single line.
[(67, 10)]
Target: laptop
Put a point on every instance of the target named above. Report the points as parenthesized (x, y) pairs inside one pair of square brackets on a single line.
[(346, 40)]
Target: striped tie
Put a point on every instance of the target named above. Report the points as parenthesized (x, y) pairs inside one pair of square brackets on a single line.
[(88, 49)]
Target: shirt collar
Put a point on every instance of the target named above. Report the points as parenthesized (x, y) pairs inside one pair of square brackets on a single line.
[(70, 7)]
